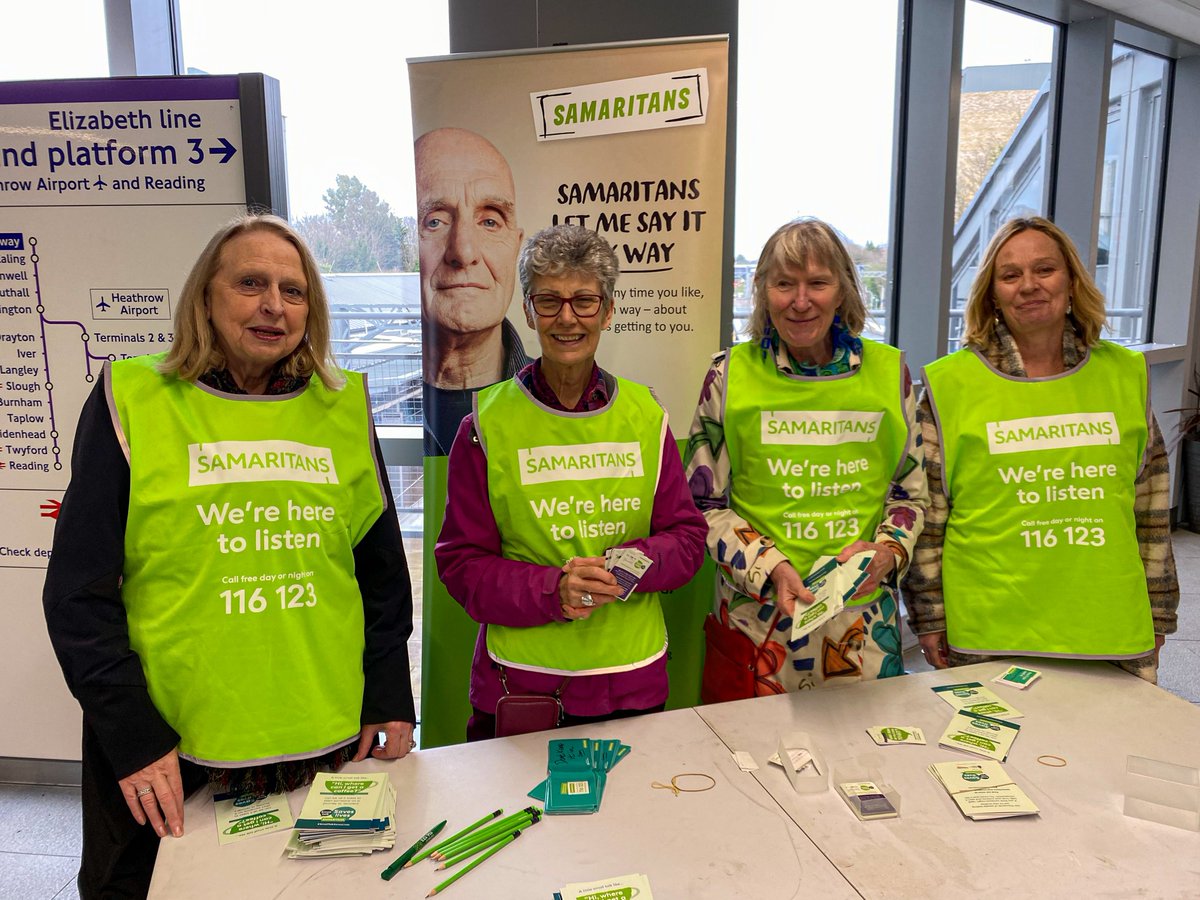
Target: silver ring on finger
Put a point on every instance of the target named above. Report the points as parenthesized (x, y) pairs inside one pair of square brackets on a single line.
[(142, 792), (586, 599)]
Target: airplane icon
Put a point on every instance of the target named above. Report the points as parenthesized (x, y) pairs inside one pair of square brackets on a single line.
[(103, 304)]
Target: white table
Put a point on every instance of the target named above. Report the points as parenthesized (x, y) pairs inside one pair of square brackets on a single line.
[(1080, 845), (753, 836), (733, 841)]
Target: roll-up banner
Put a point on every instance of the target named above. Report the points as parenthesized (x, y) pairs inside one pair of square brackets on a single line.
[(109, 190), (625, 139)]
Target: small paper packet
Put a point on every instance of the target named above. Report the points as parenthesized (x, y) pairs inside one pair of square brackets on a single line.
[(896, 734), (745, 761), (1018, 677)]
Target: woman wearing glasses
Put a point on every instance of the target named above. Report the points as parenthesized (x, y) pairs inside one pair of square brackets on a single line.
[(555, 467)]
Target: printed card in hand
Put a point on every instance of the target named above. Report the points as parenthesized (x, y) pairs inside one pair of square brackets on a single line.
[(833, 584), (628, 565)]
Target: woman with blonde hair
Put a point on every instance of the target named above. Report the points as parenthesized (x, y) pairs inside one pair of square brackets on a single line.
[(227, 595), (1047, 475), (804, 445)]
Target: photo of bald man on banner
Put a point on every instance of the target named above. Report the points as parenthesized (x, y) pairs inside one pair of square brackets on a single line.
[(468, 238)]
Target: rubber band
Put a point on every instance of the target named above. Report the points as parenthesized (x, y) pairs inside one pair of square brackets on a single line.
[(677, 790), (1054, 765)]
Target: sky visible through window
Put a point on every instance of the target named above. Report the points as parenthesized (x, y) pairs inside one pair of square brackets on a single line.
[(816, 104), (34, 44), (343, 81), (817, 85)]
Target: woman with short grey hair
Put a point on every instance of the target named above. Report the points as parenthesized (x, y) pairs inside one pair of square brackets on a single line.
[(528, 565), (554, 251)]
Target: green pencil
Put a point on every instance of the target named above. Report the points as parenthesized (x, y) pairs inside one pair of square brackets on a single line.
[(454, 837), (493, 827), (520, 820), (476, 848), (465, 869)]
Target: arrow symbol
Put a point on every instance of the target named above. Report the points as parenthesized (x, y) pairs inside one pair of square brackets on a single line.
[(50, 509), (226, 150)]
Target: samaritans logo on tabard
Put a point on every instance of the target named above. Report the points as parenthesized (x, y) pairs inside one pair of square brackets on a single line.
[(1052, 432), (226, 462), (820, 426), (580, 462)]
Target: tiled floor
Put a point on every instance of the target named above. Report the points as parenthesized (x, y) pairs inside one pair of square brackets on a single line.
[(39, 852)]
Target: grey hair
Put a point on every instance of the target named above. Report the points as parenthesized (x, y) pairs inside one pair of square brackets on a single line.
[(802, 243), (568, 249)]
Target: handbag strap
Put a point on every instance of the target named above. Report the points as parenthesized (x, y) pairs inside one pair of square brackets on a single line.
[(557, 695), (761, 648)]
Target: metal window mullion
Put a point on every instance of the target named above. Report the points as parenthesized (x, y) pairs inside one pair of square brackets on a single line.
[(1177, 271), (143, 37), (927, 140), (1086, 71)]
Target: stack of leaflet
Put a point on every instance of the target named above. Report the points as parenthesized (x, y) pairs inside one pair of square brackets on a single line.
[(975, 698), (979, 734), (981, 722), (982, 790), (345, 815), (576, 772)]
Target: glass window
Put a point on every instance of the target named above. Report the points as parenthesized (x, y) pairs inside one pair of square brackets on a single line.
[(1003, 135), (344, 93), (813, 144), (1130, 189), (36, 42)]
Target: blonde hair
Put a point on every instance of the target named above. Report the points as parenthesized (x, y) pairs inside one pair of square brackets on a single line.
[(1087, 303), (194, 350), (800, 243)]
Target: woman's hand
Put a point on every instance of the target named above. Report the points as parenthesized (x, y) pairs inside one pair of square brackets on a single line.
[(789, 587), (935, 648), (398, 740), (163, 800), (585, 575), (879, 568)]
